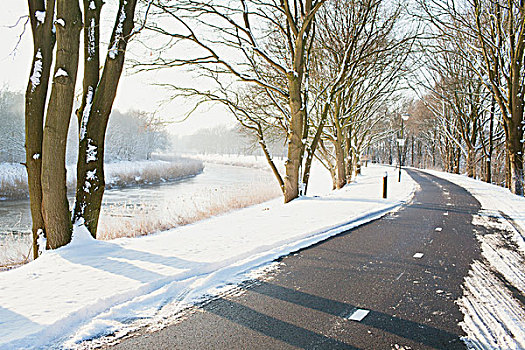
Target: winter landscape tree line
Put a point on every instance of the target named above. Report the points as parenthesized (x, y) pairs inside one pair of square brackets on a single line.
[(133, 135), (330, 80)]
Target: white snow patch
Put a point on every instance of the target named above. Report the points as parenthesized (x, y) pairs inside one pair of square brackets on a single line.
[(90, 288), (36, 156), (37, 71), (92, 5), (91, 39), (61, 22), (91, 175), (91, 152), (40, 16), (87, 186), (113, 51), (86, 113), (493, 317), (41, 242), (60, 73)]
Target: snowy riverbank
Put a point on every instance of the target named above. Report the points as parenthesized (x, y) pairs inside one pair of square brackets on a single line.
[(13, 176), (92, 288), (494, 315)]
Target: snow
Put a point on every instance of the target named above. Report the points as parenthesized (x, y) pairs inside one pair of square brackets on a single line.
[(41, 242), (258, 162), (40, 16), (113, 51), (36, 156), (493, 317), (60, 73), (91, 288), (116, 174), (91, 175), (86, 112), (92, 5), (37, 71), (91, 152), (91, 38), (61, 22)]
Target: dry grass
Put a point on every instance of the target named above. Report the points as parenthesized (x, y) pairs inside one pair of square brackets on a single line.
[(15, 250), (141, 173), (14, 186), (139, 221)]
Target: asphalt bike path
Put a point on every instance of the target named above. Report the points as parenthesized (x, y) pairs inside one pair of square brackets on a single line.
[(389, 284)]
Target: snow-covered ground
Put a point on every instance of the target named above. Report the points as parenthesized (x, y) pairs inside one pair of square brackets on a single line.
[(92, 288), (494, 316), (13, 177), (258, 162)]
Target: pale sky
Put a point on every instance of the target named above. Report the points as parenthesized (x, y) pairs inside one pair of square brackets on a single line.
[(134, 92)]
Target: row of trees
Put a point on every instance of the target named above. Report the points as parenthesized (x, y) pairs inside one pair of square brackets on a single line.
[(131, 136), (316, 73), (324, 76), (224, 140), (474, 77)]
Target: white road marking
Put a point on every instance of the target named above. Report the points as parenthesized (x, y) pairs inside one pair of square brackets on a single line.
[(401, 274), (358, 315), (418, 255)]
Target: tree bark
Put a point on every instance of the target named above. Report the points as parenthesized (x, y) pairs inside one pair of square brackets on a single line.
[(471, 162), (90, 166), (54, 199), (515, 152), (295, 138), (35, 102)]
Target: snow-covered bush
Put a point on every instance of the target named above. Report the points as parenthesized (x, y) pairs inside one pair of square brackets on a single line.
[(134, 135)]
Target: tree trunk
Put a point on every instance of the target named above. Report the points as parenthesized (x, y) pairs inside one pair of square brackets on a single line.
[(515, 152), (348, 156), (35, 102), (295, 139), (340, 164), (471, 162), (95, 117), (54, 199)]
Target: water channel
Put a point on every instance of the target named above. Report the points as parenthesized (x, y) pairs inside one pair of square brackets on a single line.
[(154, 201)]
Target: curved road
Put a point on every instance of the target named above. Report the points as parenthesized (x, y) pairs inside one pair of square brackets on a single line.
[(308, 301)]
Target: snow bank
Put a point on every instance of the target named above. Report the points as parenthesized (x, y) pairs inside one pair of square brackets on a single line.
[(13, 177), (494, 317), (93, 288), (249, 161)]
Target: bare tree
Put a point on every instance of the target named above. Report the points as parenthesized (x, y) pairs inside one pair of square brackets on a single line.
[(497, 29), (359, 41), (46, 145), (264, 44)]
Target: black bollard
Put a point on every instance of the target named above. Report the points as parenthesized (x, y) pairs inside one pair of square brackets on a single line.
[(385, 178)]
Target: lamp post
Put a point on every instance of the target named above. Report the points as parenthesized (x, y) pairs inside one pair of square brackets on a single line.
[(401, 142)]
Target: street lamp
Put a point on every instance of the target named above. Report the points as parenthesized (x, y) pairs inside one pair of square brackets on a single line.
[(401, 142)]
